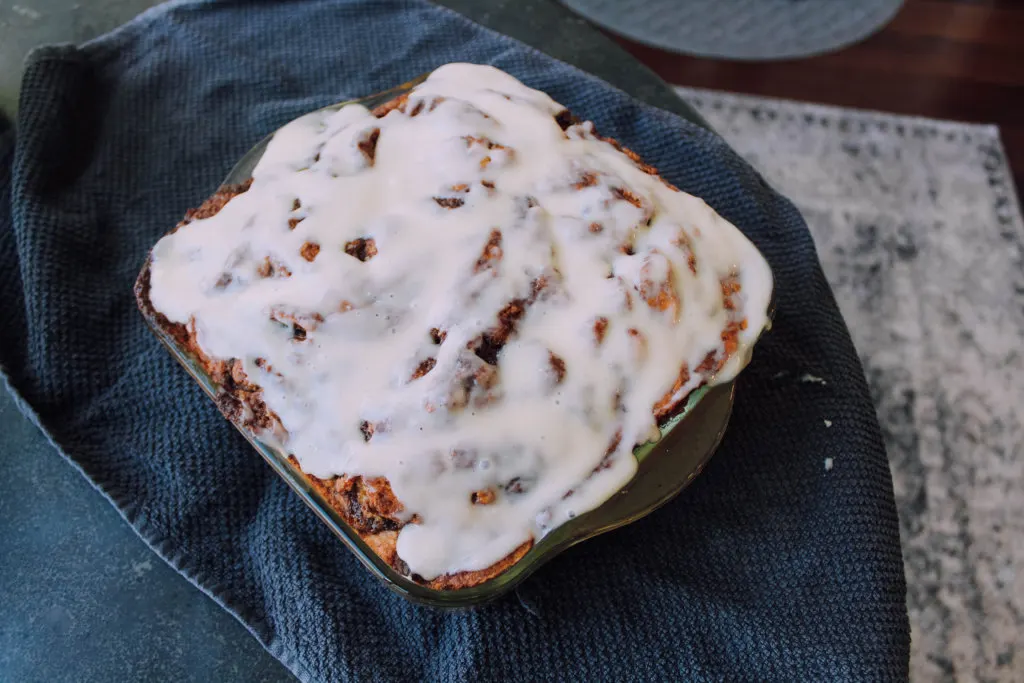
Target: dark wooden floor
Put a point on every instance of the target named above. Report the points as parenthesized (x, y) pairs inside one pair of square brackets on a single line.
[(947, 59)]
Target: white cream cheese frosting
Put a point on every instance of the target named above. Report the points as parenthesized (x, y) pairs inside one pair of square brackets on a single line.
[(364, 276)]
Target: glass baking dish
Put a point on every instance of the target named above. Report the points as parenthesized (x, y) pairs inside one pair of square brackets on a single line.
[(666, 467)]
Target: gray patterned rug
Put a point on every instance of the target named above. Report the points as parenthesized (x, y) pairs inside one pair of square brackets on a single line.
[(920, 233)]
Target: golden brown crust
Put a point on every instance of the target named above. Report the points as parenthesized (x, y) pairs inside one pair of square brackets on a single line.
[(449, 582), (386, 108), (370, 506)]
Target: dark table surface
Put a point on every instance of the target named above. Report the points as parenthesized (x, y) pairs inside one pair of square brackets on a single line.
[(84, 598)]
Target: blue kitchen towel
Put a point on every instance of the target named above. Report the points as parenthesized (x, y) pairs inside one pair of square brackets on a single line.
[(769, 567)]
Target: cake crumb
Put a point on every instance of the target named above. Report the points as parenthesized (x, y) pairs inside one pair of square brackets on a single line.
[(27, 12), (140, 568), (828, 464), (828, 423)]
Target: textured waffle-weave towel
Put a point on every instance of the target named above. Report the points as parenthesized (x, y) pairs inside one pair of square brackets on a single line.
[(769, 567)]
